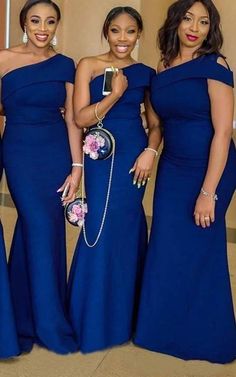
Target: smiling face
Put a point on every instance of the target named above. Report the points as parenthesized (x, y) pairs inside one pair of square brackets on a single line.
[(122, 35), (41, 24), (194, 27)]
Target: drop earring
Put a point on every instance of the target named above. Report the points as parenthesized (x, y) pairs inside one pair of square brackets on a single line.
[(25, 37), (54, 41)]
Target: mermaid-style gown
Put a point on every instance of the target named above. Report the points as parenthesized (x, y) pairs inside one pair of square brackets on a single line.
[(8, 336), (186, 305), (105, 280), (37, 160)]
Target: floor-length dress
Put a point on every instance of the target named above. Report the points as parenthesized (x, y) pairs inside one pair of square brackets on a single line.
[(8, 336), (37, 160), (186, 305), (104, 280)]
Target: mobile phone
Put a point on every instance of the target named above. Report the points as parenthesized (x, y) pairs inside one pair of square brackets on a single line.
[(109, 72)]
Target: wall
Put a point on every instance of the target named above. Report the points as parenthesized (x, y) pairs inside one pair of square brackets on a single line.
[(82, 25), (153, 14), (80, 32), (2, 23), (227, 9)]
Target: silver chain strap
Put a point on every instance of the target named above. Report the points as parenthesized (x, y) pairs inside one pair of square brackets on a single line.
[(106, 202)]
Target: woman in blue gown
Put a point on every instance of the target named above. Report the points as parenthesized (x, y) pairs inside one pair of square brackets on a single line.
[(186, 307), (105, 278), (8, 336), (37, 148)]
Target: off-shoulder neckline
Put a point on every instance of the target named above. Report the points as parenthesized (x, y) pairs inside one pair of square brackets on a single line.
[(30, 65), (194, 60), (123, 68)]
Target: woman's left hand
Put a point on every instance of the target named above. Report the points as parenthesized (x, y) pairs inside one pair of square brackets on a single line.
[(142, 168), (204, 212), (70, 187)]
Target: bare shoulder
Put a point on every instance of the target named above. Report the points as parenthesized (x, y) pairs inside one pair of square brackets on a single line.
[(87, 63), (223, 62), (5, 56), (8, 57), (89, 66), (160, 66)]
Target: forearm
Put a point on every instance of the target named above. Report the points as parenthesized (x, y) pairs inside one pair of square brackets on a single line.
[(75, 136), (1, 110), (217, 160), (154, 137), (86, 117)]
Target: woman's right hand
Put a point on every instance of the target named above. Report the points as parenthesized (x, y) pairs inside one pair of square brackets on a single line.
[(119, 83)]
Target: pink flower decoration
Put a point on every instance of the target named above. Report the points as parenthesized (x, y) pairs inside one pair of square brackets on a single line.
[(92, 144), (77, 213)]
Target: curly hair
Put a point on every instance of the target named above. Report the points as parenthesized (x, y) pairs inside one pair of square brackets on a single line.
[(168, 40)]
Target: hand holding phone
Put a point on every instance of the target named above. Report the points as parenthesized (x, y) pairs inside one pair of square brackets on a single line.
[(108, 74), (114, 81)]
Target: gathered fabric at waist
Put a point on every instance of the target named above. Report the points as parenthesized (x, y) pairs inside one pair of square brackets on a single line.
[(33, 116), (183, 161), (123, 125), (179, 159)]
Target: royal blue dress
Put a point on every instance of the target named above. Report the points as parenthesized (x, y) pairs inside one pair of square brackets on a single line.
[(8, 336), (105, 280), (37, 160), (186, 305)]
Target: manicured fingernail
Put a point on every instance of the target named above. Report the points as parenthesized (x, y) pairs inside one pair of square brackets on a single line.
[(139, 185), (59, 190), (143, 183), (131, 170), (134, 182), (149, 179)]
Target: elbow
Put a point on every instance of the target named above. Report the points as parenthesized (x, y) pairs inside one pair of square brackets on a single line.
[(224, 136), (79, 121)]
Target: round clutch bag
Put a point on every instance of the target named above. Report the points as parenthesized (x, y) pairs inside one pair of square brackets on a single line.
[(75, 212), (98, 143)]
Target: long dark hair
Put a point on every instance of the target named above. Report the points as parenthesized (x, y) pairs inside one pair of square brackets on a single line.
[(168, 40), (115, 12), (30, 3)]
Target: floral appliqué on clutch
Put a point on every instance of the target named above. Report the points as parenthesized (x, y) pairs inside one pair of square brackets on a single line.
[(77, 213), (92, 144)]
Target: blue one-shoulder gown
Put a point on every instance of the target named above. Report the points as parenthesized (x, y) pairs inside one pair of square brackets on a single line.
[(37, 160), (8, 336), (105, 280), (186, 306)]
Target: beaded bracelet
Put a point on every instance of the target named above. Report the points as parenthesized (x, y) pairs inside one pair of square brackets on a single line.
[(206, 193), (77, 164), (152, 150)]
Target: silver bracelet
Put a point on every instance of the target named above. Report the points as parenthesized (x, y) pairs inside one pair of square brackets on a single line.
[(152, 150), (206, 193), (77, 164)]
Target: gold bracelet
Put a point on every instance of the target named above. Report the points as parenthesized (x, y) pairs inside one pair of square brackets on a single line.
[(96, 113)]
